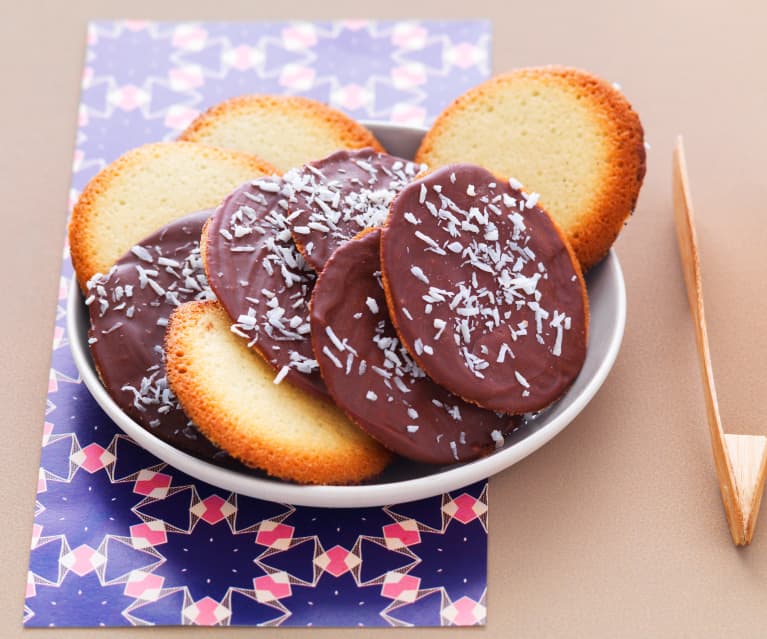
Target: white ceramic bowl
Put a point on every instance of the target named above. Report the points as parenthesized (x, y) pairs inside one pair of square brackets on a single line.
[(404, 481)]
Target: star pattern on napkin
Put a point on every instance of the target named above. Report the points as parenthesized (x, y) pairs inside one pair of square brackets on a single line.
[(120, 538)]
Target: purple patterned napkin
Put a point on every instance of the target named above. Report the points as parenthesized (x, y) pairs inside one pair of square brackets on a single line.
[(120, 538)]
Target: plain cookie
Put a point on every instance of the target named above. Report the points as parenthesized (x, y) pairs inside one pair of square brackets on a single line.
[(560, 132), (144, 190), (286, 131), (228, 391)]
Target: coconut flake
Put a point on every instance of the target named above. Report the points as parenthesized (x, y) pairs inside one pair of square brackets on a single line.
[(281, 375), (418, 273), (372, 305)]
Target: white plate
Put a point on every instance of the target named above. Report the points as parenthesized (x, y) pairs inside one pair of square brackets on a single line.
[(405, 481)]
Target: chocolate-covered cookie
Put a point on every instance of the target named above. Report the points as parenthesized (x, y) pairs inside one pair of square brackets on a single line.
[(129, 308), (373, 378), (262, 280), (333, 199), (484, 290)]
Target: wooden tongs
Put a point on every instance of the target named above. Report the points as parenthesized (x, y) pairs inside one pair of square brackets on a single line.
[(741, 460)]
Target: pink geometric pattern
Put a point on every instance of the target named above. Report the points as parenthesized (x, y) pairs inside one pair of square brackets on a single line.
[(37, 531), (92, 458), (152, 484), (144, 585), (401, 587), (337, 561), (213, 509), (465, 508), (272, 587), (465, 55), (409, 35), (206, 612), (402, 533), (275, 535), (31, 590), (83, 560), (151, 533), (465, 612), (42, 482)]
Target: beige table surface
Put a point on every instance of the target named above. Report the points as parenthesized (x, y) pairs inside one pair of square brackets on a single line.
[(614, 529)]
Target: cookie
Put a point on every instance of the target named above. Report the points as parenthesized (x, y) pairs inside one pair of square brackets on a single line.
[(484, 290), (372, 377), (145, 189), (286, 131), (262, 280), (229, 392), (333, 199), (129, 308), (562, 133)]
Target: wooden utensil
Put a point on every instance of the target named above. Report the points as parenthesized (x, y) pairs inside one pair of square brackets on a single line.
[(741, 460)]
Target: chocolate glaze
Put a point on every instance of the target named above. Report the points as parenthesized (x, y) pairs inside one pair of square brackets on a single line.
[(335, 198), (373, 378), (483, 290), (129, 308), (262, 280)]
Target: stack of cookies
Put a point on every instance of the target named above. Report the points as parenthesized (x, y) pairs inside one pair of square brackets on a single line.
[(274, 290)]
